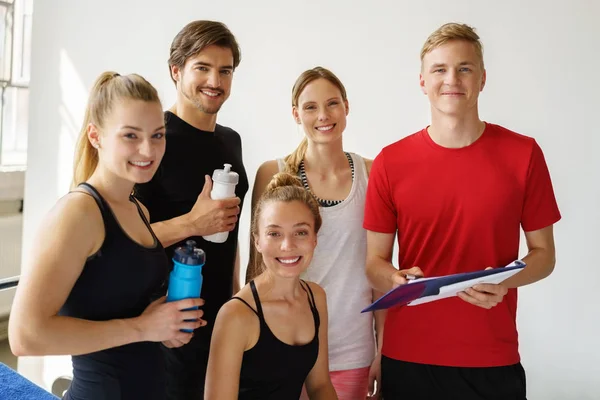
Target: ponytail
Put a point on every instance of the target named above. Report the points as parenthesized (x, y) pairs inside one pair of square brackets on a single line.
[(292, 161), (108, 88)]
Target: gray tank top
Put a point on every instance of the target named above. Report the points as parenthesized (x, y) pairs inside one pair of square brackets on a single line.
[(338, 266)]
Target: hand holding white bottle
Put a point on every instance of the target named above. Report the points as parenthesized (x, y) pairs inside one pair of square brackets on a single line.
[(224, 183)]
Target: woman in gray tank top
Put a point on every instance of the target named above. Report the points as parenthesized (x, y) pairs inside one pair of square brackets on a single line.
[(338, 181)]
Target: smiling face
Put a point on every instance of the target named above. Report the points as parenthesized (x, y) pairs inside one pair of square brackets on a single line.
[(131, 142), (205, 79), (452, 77), (321, 111), (286, 237)]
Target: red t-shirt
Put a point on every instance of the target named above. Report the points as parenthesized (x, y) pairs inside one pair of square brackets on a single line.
[(458, 210)]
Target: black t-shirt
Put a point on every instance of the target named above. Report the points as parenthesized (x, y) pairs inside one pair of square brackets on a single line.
[(190, 155)]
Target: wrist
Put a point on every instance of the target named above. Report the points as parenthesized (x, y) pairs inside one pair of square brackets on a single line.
[(188, 226), (390, 278), (136, 329)]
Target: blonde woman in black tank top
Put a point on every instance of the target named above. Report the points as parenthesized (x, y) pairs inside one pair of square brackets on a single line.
[(96, 271), (269, 341)]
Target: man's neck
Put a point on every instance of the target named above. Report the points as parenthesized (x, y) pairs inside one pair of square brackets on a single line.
[(194, 117), (455, 132)]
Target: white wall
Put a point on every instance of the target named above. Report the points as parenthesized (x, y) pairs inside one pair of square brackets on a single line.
[(12, 188), (542, 62)]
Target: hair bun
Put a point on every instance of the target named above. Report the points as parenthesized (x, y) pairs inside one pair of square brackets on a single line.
[(282, 179)]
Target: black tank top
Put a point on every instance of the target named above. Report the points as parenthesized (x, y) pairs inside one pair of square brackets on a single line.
[(273, 369), (119, 281)]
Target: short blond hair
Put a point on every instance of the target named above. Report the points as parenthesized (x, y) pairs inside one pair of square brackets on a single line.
[(453, 31)]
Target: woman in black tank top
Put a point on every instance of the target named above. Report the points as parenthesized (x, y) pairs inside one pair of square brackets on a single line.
[(96, 273), (271, 339)]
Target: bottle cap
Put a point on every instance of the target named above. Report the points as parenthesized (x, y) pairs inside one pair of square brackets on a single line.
[(226, 175), (189, 254)]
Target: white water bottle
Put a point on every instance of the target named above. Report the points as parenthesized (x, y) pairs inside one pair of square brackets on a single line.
[(224, 182)]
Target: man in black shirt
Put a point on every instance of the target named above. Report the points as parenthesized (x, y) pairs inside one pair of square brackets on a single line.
[(203, 57)]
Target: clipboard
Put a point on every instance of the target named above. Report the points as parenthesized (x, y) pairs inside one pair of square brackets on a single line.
[(426, 290)]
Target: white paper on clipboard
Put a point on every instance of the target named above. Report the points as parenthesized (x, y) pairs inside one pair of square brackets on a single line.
[(453, 289)]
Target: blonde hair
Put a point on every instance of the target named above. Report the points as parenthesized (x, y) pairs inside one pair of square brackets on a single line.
[(283, 187), (109, 88), (292, 161), (453, 31)]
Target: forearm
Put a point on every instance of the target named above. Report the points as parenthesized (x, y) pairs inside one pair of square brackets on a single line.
[(379, 316), (540, 264), (72, 336), (221, 389), (173, 230), (379, 274)]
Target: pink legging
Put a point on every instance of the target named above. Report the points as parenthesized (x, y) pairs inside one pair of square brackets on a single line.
[(350, 384)]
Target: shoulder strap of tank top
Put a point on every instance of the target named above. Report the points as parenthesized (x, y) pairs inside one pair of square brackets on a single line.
[(312, 304), (90, 190), (360, 167), (246, 303), (141, 212), (308, 290), (257, 301)]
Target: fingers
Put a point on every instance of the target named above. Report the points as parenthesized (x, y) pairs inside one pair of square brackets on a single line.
[(156, 302), (413, 271), (228, 215), (480, 299), (230, 203), (398, 279), (371, 384), (470, 299), (192, 325), (189, 313), (206, 189), (491, 288), (188, 303), (228, 220), (192, 315), (375, 396)]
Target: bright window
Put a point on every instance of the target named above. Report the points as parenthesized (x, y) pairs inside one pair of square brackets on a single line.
[(15, 65)]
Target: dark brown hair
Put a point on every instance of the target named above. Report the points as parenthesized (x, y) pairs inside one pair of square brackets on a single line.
[(196, 36)]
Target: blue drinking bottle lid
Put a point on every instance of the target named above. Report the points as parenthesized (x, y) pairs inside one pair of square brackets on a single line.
[(189, 254)]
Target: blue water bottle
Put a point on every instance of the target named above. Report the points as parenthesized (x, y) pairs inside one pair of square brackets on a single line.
[(185, 281)]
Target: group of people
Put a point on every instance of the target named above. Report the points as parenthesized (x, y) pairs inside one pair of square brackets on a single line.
[(454, 195)]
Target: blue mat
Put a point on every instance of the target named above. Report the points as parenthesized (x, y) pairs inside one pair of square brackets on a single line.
[(16, 387)]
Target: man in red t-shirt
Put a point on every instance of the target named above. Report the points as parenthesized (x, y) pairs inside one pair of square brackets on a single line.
[(457, 193)]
